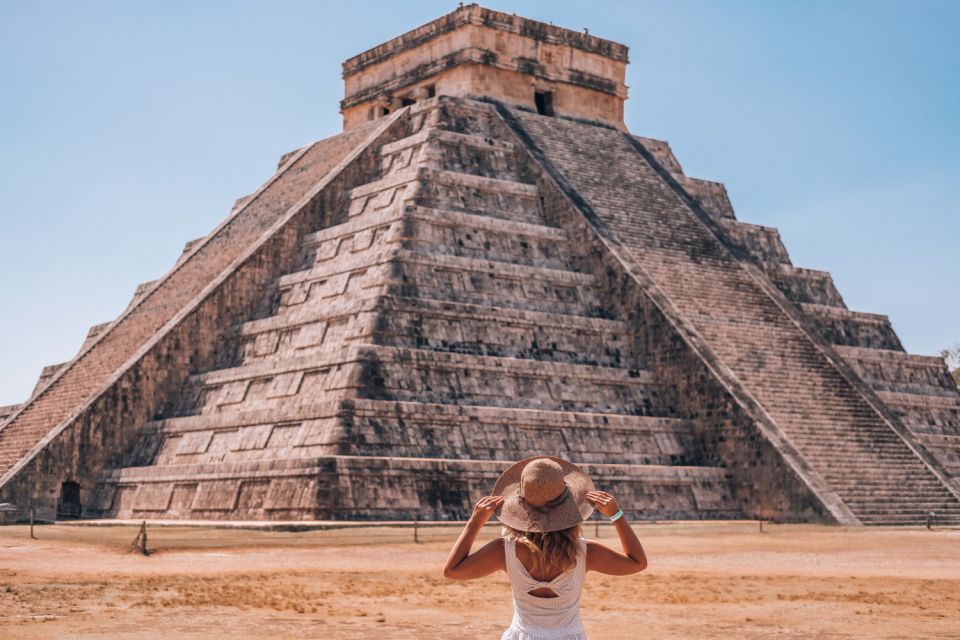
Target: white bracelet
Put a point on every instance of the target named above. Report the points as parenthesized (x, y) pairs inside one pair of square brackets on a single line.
[(617, 515)]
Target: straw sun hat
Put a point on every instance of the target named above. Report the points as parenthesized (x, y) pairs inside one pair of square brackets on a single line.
[(543, 494)]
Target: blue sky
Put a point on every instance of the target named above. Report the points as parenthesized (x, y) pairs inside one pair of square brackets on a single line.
[(128, 128)]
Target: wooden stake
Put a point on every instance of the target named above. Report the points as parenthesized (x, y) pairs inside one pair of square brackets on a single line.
[(33, 491), (140, 542), (416, 536)]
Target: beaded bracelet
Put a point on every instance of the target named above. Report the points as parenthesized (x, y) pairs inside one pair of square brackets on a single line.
[(617, 515)]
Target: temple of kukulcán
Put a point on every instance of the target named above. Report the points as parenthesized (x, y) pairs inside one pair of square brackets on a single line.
[(486, 265)]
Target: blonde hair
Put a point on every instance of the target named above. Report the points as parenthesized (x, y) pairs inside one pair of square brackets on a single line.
[(553, 552)]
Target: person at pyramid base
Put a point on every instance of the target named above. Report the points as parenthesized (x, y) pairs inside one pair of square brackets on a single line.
[(542, 502)]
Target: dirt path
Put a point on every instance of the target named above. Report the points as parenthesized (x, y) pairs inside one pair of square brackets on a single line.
[(704, 581)]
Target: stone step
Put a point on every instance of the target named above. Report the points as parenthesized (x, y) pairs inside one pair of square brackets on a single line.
[(482, 237), (914, 483), (852, 444), (894, 511), (451, 190), (864, 495), (804, 286), (887, 369), (906, 513), (431, 376), (379, 256), (439, 325), (460, 431), (468, 154), (459, 233), (764, 243), (894, 467), (905, 401), (892, 473), (906, 522), (859, 452), (368, 487), (408, 429), (368, 225), (919, 505), (441, 277), (306, 327), (894, 448), (504, 332), (375, 229), (853, 328), (919, 510), (446, 136), (857, 441), (902, 490), (496, 284)]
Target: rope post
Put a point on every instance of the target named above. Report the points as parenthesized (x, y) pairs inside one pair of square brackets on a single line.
[(761, 524), (596, 528), (140, 542), (930, 521), (33, 500), (416, 534)]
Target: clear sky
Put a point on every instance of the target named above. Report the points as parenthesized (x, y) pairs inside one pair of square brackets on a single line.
[(128, 128)]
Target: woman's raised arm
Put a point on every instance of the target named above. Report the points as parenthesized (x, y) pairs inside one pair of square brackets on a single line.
[(603, 559), (489, 558)]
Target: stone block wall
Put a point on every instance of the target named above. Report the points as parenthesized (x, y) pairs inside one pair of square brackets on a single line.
[(103, 432)]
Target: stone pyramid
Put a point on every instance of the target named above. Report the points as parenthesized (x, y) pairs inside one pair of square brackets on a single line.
[(486, 265)]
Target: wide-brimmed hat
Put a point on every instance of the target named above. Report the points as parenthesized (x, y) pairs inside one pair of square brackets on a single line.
[(543, 494)]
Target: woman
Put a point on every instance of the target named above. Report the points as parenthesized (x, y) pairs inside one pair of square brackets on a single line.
[(542, 501)]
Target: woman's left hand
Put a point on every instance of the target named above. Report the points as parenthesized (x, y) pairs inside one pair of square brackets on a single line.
[(485, 508)]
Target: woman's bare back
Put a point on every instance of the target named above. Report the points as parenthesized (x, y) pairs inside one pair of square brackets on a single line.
[(526, 559)]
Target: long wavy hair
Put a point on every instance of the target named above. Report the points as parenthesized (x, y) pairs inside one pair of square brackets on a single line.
[(553, 552)]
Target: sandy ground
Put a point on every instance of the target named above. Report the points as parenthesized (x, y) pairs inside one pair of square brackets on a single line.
[(704, 581)]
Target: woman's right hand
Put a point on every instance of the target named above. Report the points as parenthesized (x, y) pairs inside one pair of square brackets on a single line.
[(604, 502), (606, 560), (485, 508)]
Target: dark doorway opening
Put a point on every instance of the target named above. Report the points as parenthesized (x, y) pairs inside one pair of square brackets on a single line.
[(69, 505), (544, 102)]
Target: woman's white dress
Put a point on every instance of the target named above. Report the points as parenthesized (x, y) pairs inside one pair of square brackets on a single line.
[(545, 618)]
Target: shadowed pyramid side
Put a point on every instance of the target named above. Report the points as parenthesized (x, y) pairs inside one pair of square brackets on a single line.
[(861, 463)]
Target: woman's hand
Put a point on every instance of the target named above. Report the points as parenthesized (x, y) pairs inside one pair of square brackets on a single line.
[(485, 508), (604, 502), (606, 560), (461, 564)]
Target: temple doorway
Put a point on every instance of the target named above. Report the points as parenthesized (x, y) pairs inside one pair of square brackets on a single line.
[(69, 505)]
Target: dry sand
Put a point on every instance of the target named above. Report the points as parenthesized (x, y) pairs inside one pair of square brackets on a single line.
[(704, 581)]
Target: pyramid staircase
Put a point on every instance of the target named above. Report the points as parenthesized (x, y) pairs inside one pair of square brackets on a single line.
[(780, 337)]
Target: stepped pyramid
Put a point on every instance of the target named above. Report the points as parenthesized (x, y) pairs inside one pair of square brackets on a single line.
[(486, 265)]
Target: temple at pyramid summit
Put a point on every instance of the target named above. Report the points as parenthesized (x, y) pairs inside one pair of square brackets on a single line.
[(486, 264)]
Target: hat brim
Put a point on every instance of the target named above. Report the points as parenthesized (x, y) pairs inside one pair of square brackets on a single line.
[(518, 514)]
